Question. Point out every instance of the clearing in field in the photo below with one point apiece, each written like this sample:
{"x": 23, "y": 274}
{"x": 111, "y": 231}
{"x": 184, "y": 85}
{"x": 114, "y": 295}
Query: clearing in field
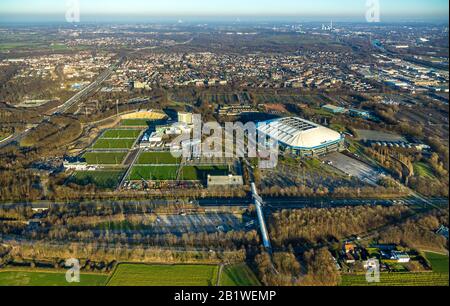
{"x": 439, "y": 263}
{"x": 155, "y": 158}
{"x": 399, "y": 279}
{"x": 238, "y": 275}
{"x": 122, "y": 133}
{"x": 37, "y": 278}
{"x": 164, "y": 275}
{"x": 106, "y": 158}
{"x": 102, "y": 179}
{"x": 121, "y": 143}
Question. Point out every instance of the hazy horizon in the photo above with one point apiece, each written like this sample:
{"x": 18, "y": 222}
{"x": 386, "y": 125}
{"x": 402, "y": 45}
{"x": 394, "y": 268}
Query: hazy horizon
{"x": 204, "y": 10}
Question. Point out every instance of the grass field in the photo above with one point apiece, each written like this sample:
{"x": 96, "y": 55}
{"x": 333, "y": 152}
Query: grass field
{"x": 151, "y": 158}
{"x": 439, "y": 262}
{"x": 102, "y": 179}
{"x": 424, "y": 170}
{"x": 164, "y": 275}
{"x": 399, "y": 279}
{"x": 136, "y": 122}
{"x": 154, "y": 173}
{"x": 114, "y": 143}
{"x": 169, "y": 173}
{"x": 118, "y": 133}
{"x": 104, "y": 158}
{"x": 238, "y": 275}
{"x": 38, "y": 278}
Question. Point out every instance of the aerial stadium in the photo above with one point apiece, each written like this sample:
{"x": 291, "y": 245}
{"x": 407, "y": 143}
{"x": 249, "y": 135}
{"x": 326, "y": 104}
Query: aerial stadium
{"x": 301, "y": 137}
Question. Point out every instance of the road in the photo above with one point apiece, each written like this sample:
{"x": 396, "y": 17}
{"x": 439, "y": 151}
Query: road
{"x": 272, "y": 203}
{"x": 94, "y": 86}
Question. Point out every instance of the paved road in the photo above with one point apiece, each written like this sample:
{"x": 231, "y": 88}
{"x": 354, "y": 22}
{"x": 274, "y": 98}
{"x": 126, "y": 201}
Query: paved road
{"x": 69, "y": 103}
{"x": 273, "y": 203}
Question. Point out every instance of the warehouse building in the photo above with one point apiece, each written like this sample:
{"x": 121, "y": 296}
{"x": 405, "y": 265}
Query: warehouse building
{"x": 301, "y": 137}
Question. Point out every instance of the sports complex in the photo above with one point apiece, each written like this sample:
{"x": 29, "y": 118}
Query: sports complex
{"x": 302, "y": 137}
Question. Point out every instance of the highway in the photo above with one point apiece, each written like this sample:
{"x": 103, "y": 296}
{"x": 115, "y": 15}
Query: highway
{"x": 94, "y": 86}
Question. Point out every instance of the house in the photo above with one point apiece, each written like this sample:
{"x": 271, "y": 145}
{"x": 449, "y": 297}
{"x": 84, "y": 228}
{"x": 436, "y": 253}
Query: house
{"x": 349, "y": 247}
{"x": 334, "y": 109}
{"x": 400, "y": 257}
{"x": 443, "y": 231}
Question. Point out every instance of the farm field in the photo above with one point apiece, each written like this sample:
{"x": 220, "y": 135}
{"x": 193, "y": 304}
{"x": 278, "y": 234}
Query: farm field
{"x": 399, "y": 279}
{"x": 164, "y": 275}
{"x": 121, "y": 143}
{"x": 439, "y": 263}
{"x": 102, "y": 179}
{"x": 106, "y": 158}
{"x": 122, "y": 133}
{"x": 38, "y": 278}
{"x": 238, "y": 275}
{"x": 150, "y": 158}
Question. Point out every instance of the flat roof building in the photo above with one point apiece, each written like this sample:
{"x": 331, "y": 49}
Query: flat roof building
{"x": 302, "y": 137}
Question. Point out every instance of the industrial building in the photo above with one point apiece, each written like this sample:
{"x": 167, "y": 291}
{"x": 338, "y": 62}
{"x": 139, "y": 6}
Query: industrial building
{"x": 301, "y": 137}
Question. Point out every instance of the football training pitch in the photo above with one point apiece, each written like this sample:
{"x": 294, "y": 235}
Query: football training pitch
{"x": 158, "y": 158}
{"x": 103, "y": 143}
{"x": 102, "y": 179}
{"x": 106, "y": 158}
{"x": 117, "y": 139}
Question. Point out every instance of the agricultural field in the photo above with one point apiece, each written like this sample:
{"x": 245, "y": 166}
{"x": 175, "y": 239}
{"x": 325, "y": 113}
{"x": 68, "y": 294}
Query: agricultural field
{"x": 43, "y": 278}
{"x": 103, "y": 143}
{"x": 106, "y": 158}
{"x": 102, "y": 179}
{"x": 399, "y": 279}
{"x": 162, "y": 158}
{"x": 439, "y": 263}
{"x": 238, "y": 275}
{"x": 164, "y": 275}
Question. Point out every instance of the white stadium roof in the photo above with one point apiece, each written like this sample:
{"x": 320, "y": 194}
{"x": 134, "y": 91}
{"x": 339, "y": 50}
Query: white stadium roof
{"x": 299, "y": 133}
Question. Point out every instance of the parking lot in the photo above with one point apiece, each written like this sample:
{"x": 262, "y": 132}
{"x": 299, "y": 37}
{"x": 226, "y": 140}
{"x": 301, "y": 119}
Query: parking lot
{"x": 353, "y": 167}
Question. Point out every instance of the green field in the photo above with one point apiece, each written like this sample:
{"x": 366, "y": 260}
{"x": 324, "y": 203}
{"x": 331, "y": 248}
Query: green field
{"x": 164, "y": 275}
{"x": 169, "y": 173}
{"x": 102, "y": 179}
{"x": 95, "y": 158}
{"x": 399, "y": 279}
{"x": 155, "y": 158}
{"x": 118, "y": 133}
{"x": 38, "y": 278}
{"x": 114, "y": 143}
{"x": 136, "y": 122}
{"x": 238, "y": 275}
{"x": 154, "y": 173}
{"x": 424, "y": 170}
{"x": 438, "y": 262}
